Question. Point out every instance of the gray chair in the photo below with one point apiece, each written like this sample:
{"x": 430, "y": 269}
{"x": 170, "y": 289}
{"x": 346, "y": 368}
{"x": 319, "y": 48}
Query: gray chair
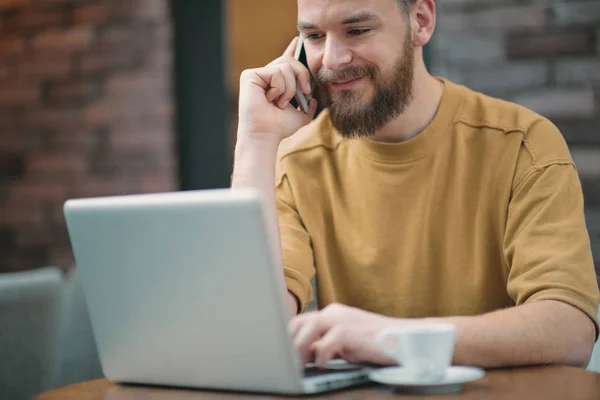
{"x": 79, "y": 360}
{"x": 30, "y": 322}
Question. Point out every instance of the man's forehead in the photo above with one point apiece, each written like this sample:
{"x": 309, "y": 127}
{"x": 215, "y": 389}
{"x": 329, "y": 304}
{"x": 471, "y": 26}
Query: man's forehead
{"x": 335, "y": 11}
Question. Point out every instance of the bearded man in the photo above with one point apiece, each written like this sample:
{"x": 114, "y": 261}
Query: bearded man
{"x": 412, "y": 198}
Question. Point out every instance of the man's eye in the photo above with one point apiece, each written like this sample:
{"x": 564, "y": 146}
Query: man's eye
{"x": 314, "y": 36}
{"x": 358, "y": 31}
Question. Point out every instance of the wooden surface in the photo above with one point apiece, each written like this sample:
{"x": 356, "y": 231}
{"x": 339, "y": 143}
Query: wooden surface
{"x": 546, "y": 383}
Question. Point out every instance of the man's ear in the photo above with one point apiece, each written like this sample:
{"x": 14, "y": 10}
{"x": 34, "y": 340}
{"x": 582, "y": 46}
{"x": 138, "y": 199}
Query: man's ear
{"x": 423, "y": 20}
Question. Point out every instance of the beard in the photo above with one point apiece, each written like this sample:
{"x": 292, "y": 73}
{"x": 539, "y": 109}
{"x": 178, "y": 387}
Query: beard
{"x": 354, "y": 117}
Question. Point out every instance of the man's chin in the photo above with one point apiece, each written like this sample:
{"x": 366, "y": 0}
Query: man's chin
{"x": 348, "y": 100}
{"x": 360, "y": 95}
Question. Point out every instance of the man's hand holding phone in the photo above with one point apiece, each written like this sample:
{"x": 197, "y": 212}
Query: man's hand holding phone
{"x": 265, "y": 111}
{"x": 265, "y": 118}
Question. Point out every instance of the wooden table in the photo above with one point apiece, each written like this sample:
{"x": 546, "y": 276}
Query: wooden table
{"x": 546, "y": 383}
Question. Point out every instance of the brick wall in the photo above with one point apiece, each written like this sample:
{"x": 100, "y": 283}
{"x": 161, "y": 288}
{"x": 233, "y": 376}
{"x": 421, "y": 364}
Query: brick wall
{"x": 85, "y": 110}
{"x": 542, "y": 54}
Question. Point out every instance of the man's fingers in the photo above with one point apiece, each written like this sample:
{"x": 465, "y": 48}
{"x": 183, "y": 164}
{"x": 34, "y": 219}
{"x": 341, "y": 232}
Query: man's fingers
{"x": 290, "y": 85}
{"x": 309, "y": 332}
{"x": 291, "y": 49}
{"x": 328, "y": 346}
{"x": 272, "y": 80}
{"x": 301, "y": 73}
{"x": 273, "y": 93}
{"x": 299, "y": 320}
{"x": 279, "y": 81}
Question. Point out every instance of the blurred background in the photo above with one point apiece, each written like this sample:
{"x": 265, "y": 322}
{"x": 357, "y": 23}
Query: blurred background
{"x": 106, "y": 97}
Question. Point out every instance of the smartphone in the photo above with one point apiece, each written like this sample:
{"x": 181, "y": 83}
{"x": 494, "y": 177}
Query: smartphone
{"x": 302, "y": 100}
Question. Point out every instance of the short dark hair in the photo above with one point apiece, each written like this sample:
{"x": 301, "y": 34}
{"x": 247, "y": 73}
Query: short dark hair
{"x": 405, "y": 4}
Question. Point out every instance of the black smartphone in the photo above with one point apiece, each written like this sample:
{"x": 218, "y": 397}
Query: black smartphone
{"x": 301, "y": 100}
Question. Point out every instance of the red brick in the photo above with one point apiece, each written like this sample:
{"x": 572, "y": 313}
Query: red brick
{"x": 159, "y": 60}
{"x": 66, "y": 3}
{"x": 7, "y": 72}
{"x": 107, "y": 10}
{"x": 51, "y": 165}
{"x": 7, "y": 238}
{"x": 24, "y": 259}
{"x": 79, "y": 140}
{"x": 17, "y": 214}
{"x": 166, "y": 160}
{"x": 10, "y": 144}
{"x": 156, "y": 83}
{"x": 12, "y": 166}
{"x": 9, "y": 123}
{"x": 148, "y": 140}
{"x": 50, "y": 117}
{"x": 40, "y": 237}
{"x": 56, "y": 219}
{"x": 116, "y": 109}
{"x": 158, "y": 183}
{"x": 113, "y": 36}
{"x": 18, "y": 140}
{"x": 43, "y": 67}
{"x": 106, "y": 112}
{"x": 148, "y": 123}
{"x": 100, "y": 124}
{"x": 18, "y": 96}
{"x": 11, "y": 46}
{"x": 8, "y": 4}
{"x": 32, "y": 19}
{"x": 151, "y": 9}
{"x": 107, "y": 60}
{"x": 521, "y": 46}
{"x": 66, "y": 40}
{"x": 76, "y": 92}
{"x": 135, "y": 162}
{"x": 163, "y": 109}
{"x": 104, "y": 186}
{"x": 34, "y": 191}
{"x": 131, "y": 35}
{"x": 144, "y": 98}
{"x": 95, "y": 12}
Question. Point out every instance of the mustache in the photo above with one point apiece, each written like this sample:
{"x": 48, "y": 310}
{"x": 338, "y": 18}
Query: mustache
{"x": 325, "y": 76}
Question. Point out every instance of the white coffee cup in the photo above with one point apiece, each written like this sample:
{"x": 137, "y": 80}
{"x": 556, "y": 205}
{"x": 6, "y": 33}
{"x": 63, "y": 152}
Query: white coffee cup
{"x": 424, "y": 350}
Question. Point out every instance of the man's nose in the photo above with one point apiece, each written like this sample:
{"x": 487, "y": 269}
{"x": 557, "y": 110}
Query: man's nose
{"x": 336, "y": 55}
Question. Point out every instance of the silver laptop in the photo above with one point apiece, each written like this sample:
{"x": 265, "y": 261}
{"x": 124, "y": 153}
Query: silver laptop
{"x": 183, "y": 290}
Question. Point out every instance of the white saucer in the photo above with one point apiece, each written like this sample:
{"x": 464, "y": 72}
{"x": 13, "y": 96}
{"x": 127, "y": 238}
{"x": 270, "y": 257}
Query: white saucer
{"x": 452, "y": 382}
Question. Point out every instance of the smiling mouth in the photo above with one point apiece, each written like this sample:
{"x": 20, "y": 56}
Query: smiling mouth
{"x": 344, "y": 84}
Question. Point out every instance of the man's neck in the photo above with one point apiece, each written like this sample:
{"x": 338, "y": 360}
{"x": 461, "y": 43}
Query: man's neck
{"x": 427, "y": 95}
